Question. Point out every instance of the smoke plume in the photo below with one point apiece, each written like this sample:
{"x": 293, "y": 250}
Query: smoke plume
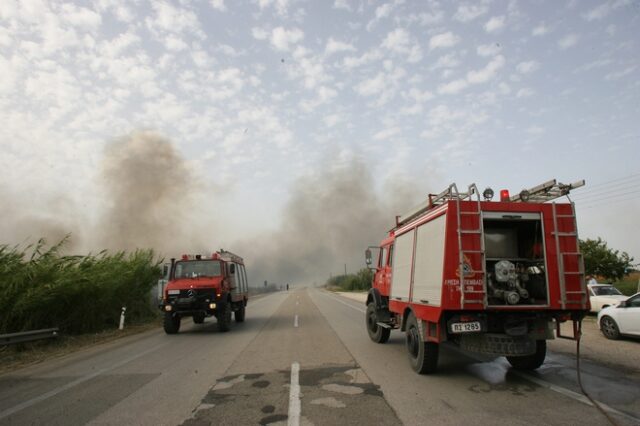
{"x": 328, "y": 222}
{"x": 152, "y": 195}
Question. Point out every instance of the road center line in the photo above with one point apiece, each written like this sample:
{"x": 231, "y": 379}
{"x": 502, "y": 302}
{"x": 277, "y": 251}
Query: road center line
{"x": 295, "y": 321}
{"x": 294, "y": 396}
{"x": 56, "y": 391}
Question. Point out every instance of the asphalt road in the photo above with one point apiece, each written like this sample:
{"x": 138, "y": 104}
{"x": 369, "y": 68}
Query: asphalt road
{"x": 301, "y": 357}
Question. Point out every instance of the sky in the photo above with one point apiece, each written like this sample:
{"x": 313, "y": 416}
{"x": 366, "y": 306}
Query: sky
{"x": 240, "y": 108}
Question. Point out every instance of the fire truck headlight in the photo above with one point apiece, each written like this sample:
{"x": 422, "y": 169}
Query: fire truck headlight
{"x": 168, "y": 308}
{"x": 488, "y": 194}
{"x": 212, "y": 305}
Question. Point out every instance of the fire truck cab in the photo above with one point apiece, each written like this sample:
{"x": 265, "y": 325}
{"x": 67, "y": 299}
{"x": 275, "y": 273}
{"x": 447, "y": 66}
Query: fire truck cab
{"x": 489, "y": 276}
{"x": 200, "y": 287}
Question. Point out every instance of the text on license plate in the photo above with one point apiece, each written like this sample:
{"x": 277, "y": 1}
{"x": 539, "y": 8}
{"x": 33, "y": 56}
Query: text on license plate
{"x": 465, "y": 327}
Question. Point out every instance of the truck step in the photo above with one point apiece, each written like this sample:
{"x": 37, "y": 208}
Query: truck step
{"x": 383, "y": 325}
{"x": 565, "y": 234}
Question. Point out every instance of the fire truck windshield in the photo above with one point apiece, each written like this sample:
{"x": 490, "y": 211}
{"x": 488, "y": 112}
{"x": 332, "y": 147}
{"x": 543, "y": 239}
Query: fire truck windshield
{"x": 198, "y": 268}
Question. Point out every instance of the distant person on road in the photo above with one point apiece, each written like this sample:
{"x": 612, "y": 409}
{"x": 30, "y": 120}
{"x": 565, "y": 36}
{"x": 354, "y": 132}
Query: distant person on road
{"x": 287, "y": 287}
{"x": 591, "y": 280}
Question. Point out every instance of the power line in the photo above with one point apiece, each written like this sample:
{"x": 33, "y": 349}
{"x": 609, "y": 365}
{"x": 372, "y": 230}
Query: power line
{"x": 604, "y": 186}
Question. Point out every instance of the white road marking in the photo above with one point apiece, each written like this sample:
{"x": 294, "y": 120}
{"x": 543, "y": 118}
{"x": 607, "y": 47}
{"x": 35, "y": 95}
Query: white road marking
{"x": 559, "y": 389}
{"x": 344, "y": 303}
{"x": 294, "y": 396}
{"x": 295, "y": 321}
{"x": 56, "y": 391}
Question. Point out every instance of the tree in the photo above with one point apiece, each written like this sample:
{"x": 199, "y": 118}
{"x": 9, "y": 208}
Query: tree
{"x": 600, "y": 260}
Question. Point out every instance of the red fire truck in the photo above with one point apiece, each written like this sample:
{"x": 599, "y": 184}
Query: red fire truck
{"x": 489, "y": 276}
{"x": 200, "y": 286}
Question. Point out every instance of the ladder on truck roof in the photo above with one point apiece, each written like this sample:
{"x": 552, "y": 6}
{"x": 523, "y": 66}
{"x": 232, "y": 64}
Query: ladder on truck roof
{"x": 544, "y": 192}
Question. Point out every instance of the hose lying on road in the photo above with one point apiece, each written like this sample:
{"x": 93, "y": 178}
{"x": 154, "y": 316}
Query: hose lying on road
{"x": 593, "y": 401}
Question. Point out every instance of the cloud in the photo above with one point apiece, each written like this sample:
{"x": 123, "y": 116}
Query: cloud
{"x": 342, "y": 4}
{"x": 371, "y": 86}
{"x": 598, "y": 12}
{"x": 398, "y": 41}
{"x": 540, "y": 30}
{"x": 81, "y": 17}
{"x": 387, "y": 133}
{"x": 173, "y": 19}
{"x": 491, "y": 49}
{"x": 469, "y": 12}
{"x": 282, "y": 39}
{"x": 218, "y": 5}
{"x": 534, "y": 130}
{"x": 259, "y": 33}
{"x": 524, "y": 93}
{"x": 486, "y": 73}
{"x": 281, "y": 6}
{"x": 332, "y": 120}
{"x": 568, "y": 41}
{"x": 443, "y": 40}
{"x": 449, "y": 60}
{"x": 494, "y": 24}
{"x": 382, "y": 11}
{"x": 453, "y": 87}
{"x": 335, "y": 46}
{"x": 473, "y": 77}
{"x": 619, "y": 74}
{"x": 527, "y": 67}
{"x": 351, "y": 62}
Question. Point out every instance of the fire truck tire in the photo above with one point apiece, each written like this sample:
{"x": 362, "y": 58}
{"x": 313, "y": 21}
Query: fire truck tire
{"x": 239, "y": 314}
{"x": 530, "y": 362}
{"x": 609, "y": 328}
{"x": 198, "y": 318}
{"x": 171, "y": 323}
{"x": 423, "y": 356}
{"x": 376, "y": 333}
{"x": 224, "y": 317}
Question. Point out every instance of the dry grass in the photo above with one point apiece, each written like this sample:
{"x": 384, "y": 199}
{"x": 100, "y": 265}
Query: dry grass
{"x": 23, "y": 355}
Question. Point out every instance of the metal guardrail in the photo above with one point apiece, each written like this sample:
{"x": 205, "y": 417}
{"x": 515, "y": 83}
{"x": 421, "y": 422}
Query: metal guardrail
{"x": 28, "y": 336}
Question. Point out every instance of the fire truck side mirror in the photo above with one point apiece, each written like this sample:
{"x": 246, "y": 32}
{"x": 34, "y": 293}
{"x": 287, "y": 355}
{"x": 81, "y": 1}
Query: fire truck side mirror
{"x": 367, "y": 256}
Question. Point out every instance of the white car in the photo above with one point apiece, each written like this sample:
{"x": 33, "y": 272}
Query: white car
{"x": 623, "y": 319}
{"x": 603, "y": 295}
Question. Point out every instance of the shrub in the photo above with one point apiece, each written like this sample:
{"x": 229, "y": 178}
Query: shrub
{"x": 40, "y": 288}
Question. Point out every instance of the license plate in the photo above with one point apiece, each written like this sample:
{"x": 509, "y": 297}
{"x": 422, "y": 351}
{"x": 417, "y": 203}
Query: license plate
{"x": 465, "y": 327}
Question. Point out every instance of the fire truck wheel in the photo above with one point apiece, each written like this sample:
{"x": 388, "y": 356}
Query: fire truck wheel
{"x": 198, "y": 318}
{"x": 609, "y": 328}
{"x": 224, "y": 316}
{"x": 530, "y": 362}
{"x": 239, "y": 314}
{"x": 423, "y": 356}
{"x": 171, "y": 323}
{"x": 376, "y": 333}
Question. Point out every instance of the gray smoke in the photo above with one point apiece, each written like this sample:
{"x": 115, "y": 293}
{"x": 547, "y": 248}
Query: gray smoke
{"x": 29, "y": 217}
{"x": 152, "y": 195}
{"x": 328, "y": 222}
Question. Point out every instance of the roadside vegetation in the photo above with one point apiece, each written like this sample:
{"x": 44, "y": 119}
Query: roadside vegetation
{"x": 608, "y": 265}
{"x": 42, "y": 288}
{"x": 359, "y": 281}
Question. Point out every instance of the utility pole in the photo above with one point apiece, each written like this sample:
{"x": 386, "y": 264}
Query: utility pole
{"x": 345, "y": 269}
